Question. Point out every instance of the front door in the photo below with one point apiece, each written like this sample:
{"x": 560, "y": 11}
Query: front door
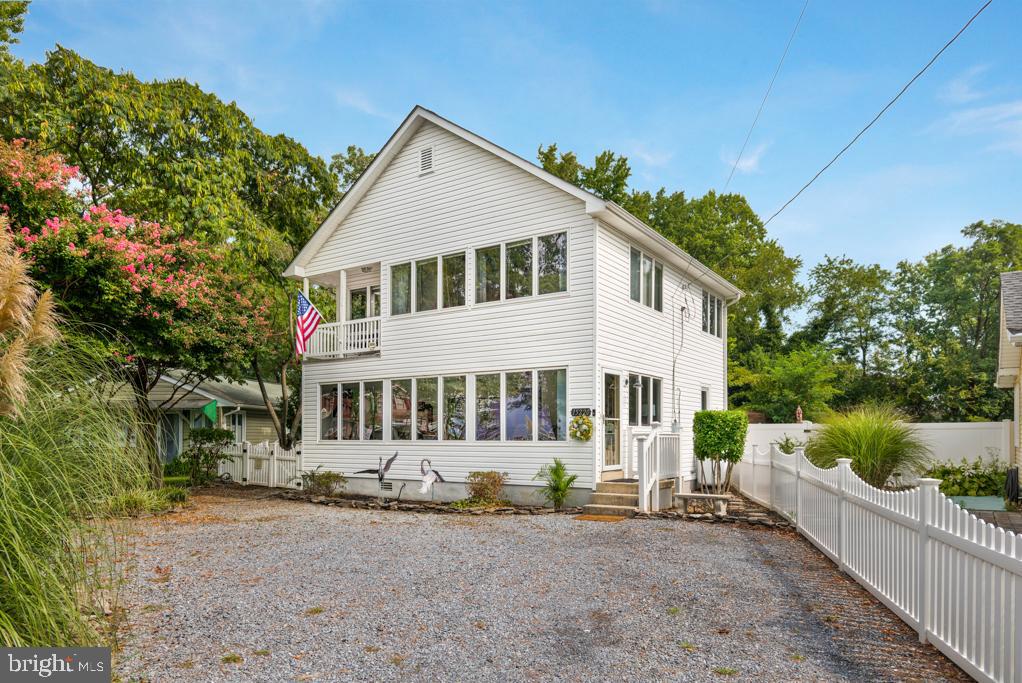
{"x": 611, "y": 422}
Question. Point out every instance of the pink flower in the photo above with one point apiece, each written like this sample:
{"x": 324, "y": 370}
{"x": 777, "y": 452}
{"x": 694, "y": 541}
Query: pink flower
{"x": 71, "y": 246}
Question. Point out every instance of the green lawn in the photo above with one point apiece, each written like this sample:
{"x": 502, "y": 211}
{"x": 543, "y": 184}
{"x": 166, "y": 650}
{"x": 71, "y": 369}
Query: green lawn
{"x": 176, "y": 481}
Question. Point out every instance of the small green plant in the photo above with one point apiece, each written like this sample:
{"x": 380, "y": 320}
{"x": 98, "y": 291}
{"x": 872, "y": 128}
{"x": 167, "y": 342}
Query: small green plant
{"x": 206, "y": 450}
{"x": 135, "y": 503}
{"x": 687, "y": 646}
{"x": 720, "y": 438}
{"x": 321, "y": 482}
{"x": 231, "y": 658}
{"x": 797, "y": 658}
{"x": 673, "y": 611}
{"x": 174, "y": 494}
{"x": 175, "y": 468}
{"x": 977, "y": 478}
{"x": 878, "y": 440}
{"x": 473, "y": 503}
{"x": 486, "y": 486}
{"x": 725, "y": 671}
{"x": 313, "y": 611}
{"x": 261, "y": 653}
{"x": 788, "y": 444}
{"x": 557, "y": 482}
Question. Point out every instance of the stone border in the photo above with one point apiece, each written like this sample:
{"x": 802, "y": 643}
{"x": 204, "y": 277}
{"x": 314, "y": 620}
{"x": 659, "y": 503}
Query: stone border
{"x": 433, "y": 508}
{"x": 753, "y": 518}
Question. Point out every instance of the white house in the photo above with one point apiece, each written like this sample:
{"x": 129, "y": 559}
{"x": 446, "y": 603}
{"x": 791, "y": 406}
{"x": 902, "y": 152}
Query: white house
{"x": 483, "y": 302}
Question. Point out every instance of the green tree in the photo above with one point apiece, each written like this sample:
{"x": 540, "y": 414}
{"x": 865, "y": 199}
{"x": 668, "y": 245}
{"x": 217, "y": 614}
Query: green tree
{"x": 349, "y": 165}
{"x": 777, "y": 384}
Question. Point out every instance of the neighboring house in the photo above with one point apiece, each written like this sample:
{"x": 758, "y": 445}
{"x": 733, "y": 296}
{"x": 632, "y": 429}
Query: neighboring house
{"x": 481, "y": 302}
{"x": 239, "y": 407}
{"x": 1009, "y": 351}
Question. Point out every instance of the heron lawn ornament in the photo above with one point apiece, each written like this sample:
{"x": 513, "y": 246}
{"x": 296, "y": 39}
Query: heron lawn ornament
{"x": 429, "y": 477}
{"x": 381, "y": 471}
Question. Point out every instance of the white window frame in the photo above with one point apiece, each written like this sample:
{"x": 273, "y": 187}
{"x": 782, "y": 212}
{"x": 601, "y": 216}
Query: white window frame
{"x": 714, "y": 312}
{"x": 567, "y": 263}
{"x": 319, "y": 412}
{"x": 638, "y": 417}
{"x": 643, "y": 255}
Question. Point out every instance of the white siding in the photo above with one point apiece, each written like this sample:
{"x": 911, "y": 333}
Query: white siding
{"x": 634, "y": 338}
{"x": 472, "y": 199}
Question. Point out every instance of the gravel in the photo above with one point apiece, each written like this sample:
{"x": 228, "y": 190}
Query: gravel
{"x": 308, "y": 592}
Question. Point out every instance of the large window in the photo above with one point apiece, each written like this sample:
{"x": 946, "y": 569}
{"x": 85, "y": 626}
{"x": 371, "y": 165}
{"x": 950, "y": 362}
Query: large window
{"x": 426, "y": 391}
{"x": 553, "y": 263}
{"x": 713, "y": 314}
{"x": 644, "y": 400}
{"x": 453, "y": 280}
{"x": 518, "y": 405}
{"x": 488, "y": 274}
{"x": 372, "y": 404}
{"x": 518, "y": 269}
{"x": 487, "y": 407}
{"x": 328, "y": 412}
{"x": 350, "y": 400}
{"x": 425, "y": 284}
{"x": 401, "y": 289}
{"x": 552, "y": 400}
{"x": 454, "y": 408}
{"x": 401, "y": 409}
{"x": 646, "y": 282}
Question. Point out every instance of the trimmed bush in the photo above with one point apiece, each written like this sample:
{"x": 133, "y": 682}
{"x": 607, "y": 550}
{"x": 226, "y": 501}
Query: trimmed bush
{"x": 323, "y": 483}
{"x": 878, "y": 440}
{"x": 486, "y": 486}
{"x": 720, "y": 437}
{"x": 206, "y": 450}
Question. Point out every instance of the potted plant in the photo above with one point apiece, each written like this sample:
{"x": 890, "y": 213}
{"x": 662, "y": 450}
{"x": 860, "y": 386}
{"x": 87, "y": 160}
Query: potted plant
{"x": 719, "y": 443}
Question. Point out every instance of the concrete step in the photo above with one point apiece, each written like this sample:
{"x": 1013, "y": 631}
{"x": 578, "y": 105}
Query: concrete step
{"x": 631, "y": 487}
{"x": 630, "y": 499}
{"x": 613, "y": 510}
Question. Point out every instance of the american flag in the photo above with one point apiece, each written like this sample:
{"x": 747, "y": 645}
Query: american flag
{"x": 307, "y": 322}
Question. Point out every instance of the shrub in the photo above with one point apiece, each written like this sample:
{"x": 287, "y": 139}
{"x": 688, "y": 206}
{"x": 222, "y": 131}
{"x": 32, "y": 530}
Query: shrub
{"x": 486, "y": 486}
{"x": 556, "y": 482}
{"x": 788, "y": 444}
{"x": 323, "y": 483}
{"x": 876, "y": 438}
{"x": 977, "y": 478}
{"x": 175, "y": 468}
{"x": 207, "y": 448}
{"x": 720, "y": 437}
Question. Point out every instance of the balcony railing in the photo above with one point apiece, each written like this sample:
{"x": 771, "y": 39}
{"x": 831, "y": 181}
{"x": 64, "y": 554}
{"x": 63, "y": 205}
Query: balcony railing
{"x": 336, "y": 340}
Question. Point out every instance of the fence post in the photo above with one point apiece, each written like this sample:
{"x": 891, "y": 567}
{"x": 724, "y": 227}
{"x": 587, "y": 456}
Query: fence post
{"x": 927, "y": 497}
{"x": 244, "y": 463}
{"x": 844, "y": 471}
{"x": 770, "y": 479}
{"x": 272, "y": 480}
{"x": 643, "y": 474}
{"x": 799, "y": 454}
{"x": 1007, "y": 442}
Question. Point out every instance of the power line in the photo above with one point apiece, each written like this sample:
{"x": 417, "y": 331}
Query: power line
{"x": 881, "y": 113}
{"x": 765, "y": 96}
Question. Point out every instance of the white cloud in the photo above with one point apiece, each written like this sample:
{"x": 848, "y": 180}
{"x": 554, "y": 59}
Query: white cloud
{"x": 1002, "y": 122}
{"x": 962, "y": 88}
{"x": 749, "y": 163}
{"x": 656, "y": 158}
{"x": 350, "y": 98}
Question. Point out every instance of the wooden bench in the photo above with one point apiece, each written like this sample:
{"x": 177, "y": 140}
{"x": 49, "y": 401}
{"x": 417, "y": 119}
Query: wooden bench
{"x": 719, "y": 501}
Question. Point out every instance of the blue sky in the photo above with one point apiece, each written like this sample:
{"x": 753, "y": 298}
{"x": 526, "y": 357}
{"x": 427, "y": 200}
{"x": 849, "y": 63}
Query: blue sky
{"x": 673, "y": 86}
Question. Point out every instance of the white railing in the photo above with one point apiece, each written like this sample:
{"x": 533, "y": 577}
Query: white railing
{"x": 954, "y": 578}
{"x": 669, "y": 452}
{"x": 334, "y": 340}
{"x": 263, "y": 464}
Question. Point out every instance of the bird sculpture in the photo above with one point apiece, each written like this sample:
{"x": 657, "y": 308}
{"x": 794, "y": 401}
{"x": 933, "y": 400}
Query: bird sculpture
{"x": 381, "y": 471}
{"x": 429, "y": 477}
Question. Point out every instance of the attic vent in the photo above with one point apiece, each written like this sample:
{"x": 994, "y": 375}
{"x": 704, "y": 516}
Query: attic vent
{"x": 425, "y": 160}
{"x": 386, "y": 486}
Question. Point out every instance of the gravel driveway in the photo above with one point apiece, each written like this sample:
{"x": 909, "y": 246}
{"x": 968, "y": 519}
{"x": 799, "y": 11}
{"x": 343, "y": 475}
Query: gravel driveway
{"x": 245, "y": 587}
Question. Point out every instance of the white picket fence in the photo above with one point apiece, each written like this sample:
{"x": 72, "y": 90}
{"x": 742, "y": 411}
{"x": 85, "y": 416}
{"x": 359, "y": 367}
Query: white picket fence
{"x": 263, "y": 464}
{"x": 954, "y": 578}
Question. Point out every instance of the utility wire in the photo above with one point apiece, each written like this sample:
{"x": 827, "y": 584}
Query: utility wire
{"x": 881, "y": 113}
{"x": 765, "y": 96}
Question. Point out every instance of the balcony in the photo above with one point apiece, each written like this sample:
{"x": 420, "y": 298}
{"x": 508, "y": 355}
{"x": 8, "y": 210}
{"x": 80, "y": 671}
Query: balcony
{"x": 340, "y": 340}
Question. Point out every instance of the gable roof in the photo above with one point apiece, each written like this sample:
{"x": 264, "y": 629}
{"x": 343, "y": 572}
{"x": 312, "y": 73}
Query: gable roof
{"x": 1011, "y": 301}
{"x": 607, "y": 211}
{"x": 245, "y": 394}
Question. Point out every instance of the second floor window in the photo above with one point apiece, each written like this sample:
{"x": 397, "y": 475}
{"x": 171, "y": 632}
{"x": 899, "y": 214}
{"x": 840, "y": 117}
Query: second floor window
{"x": 646, "y": 281}
{"x": 453, "y": 280}
{"x": 401, "y": 289}
{"x": 488, "y": 274}
{"x": 518, "y": 269}
{"x": 425, "y": 285}
{"x": 713, "y": 314}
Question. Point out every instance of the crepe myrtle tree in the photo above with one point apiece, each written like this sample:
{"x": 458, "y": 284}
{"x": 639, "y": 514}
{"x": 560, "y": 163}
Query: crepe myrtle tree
{"x": 720, "y": 439}
{"x": 151, "y": 299}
